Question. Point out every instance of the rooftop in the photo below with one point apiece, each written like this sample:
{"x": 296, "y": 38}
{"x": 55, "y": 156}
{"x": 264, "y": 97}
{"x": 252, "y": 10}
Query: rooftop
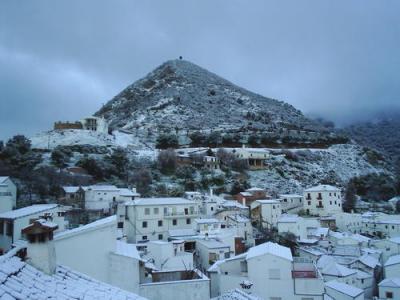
{"x": 335, "y": 269}
{"x": 19, "y": 280}
{"x": 88, "y": 227}
{"x": 212, "y": 244}
{"x": 393, "y": 260}
{"x": 27, "y": 211}
{"x": 3, "y": 179}
{"x": 160, "y": 201}
{"x": 236, "y": 294}
{"x": 343, "y": 288}
{"x": 390, "y": 282}
{"x": 125, "y": 249}
{"x": 269, "y": 201}
{"x": 269, "y": 248}
{"x": 322, "y": 188}
{"x": 70, "y": 189}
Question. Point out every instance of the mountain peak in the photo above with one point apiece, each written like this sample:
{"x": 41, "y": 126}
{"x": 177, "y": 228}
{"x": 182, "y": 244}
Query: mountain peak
{"x": 180, "y": 95}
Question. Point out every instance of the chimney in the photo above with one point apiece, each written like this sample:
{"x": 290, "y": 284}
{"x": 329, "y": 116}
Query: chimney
{"x": 41, "y": 252}
{"x": 211, "y": 192}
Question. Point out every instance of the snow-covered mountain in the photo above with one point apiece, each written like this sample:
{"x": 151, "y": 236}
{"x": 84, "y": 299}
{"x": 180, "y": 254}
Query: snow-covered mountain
{"x": 179, "y": 96}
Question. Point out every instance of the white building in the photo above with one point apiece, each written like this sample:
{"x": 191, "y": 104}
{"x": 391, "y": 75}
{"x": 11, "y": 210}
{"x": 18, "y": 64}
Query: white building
{"x": 149, "y": 219}
{"x": 341, "y": 291}
{"x": 322, "y": 200}
{"x": 302, "y": 228}
{"x": 351, "y": 222}
{"x": 392, "y": 266}
{"x": 207, "y": 226}
{"x": 21, "y": 280}
{"x": 266, "y": 212}
{"x": 12, "y": 222}
{"x": 270, "y": 272}
{"x": 291, "y": 202}
{"x": 101, "y": 197}
{"x": 95, "y": 124}
{"x": 208, "y": 251}
{"x": 255, "y": 157}
{"x": 87, "y": 248}
{"x": 8, "y": 194}
{"x": 389, "y": 288}
{"x": 168, "y": 256}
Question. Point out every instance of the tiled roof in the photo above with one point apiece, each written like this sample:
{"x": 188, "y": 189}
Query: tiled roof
{"x": 18, "y": 280}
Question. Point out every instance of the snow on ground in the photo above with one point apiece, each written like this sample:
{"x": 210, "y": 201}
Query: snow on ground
{"x": 337, "y": 165}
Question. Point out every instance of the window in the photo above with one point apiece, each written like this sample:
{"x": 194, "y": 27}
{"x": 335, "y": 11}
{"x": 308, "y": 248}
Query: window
{"x": 212, "y": 208}
{"x": 274, "y": 274}
{"x": 330, "y": 202}
{"x": 309, "y": 202}
{"x": 10, "y": 228}
{"x": 188, "y": 221}
{"x": 165, "y": 210}
{"x": 389, "y": 295}
{"x": 160, "y": 236}
{"x": 155, "y": 210}
{"x": 159, "y": 223}
{"x": 144, "y": 237}
{"x": 273, "y": 206}
{"x": 174, "y": 222}
{"x": 186, "y": 211}
{"x": 227, "y": 255}
{"x": 144, "y": 224}
{"x": 147, "y": 211}
{"x": 120, "y": 224}
{"x": 1, "y": 227}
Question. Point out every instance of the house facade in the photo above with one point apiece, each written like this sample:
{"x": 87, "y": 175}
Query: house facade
{"x": 322, "y": 200}
{"x": 8, "y": 194}
{"x": 150, "y": 219}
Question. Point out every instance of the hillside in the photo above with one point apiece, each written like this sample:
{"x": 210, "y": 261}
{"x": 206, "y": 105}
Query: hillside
{"x": 382, "y": 135}
{"x": 180, "y": 97}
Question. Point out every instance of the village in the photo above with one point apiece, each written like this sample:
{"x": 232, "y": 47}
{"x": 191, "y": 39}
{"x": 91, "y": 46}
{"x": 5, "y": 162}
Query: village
{"x": 198, "y": 246}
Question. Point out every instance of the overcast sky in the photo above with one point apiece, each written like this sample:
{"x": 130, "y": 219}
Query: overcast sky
{"x": 61, "y": 60}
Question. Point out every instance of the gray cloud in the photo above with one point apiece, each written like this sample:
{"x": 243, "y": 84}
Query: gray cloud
{"x": 62, "y": 60}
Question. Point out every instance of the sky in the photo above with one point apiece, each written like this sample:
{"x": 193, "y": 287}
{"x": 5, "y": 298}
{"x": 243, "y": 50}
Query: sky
{"x": 61, "y": 60}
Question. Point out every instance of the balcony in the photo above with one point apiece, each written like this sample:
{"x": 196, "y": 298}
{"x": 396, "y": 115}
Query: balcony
{"x": 319, "y": 206}
{"x": 181, "y": 214}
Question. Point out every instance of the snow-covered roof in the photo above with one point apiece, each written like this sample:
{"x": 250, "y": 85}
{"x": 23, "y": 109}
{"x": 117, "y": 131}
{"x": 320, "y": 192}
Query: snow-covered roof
{"x": 246, "y": 194}
{"x": 395, "y": 240}
{"x": 322, "y": 188}
{"x": 363, "y": 275}
{"x": 103, "y": 188}
{"x": 46, "y": 223}
{"x": 3, "y": 179}
{"x": 181, "y": 232}
{"x": 232, "y": 203}
{"x": 18, "y": 280}
{"x": 290, "y": 196}
{"x": 161, "y": 201}
{"x": 320, "y": 231}
{"x": 269, "y": 248}
{"x": 369, "y": 261}
{"x": 344, "y": 288}
{"x": 285, "y": 218}
{"x": 393, "y": 260}
{"x": 27, "y": 211}
{"x": 125, "y": 249}
{"x": 70, "y": 189}
{"x": 393, "y": 200}
{"x": 269, "y": 201}
{"x": 335, "y": 269}
{"x": 212, "y": 244}
{"x": 128, "y": 193}
{"x": 236, "y": 295}
{"x": 255, "y": 189}
{"x": 238, "y": 218}
{"x": 390, "y": 282}
{"x": 208, "y": 221}
{"x": 88, "y": 227}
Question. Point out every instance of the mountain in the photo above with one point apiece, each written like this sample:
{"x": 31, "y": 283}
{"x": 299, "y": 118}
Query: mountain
{"x": 180, "y": 96}
{"x": 382, "y": 135}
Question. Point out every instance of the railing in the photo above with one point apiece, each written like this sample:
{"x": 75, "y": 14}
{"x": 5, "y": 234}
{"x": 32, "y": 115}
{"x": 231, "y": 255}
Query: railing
{"x": 319, "y": 206}
{"x": 181, "y": 214}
